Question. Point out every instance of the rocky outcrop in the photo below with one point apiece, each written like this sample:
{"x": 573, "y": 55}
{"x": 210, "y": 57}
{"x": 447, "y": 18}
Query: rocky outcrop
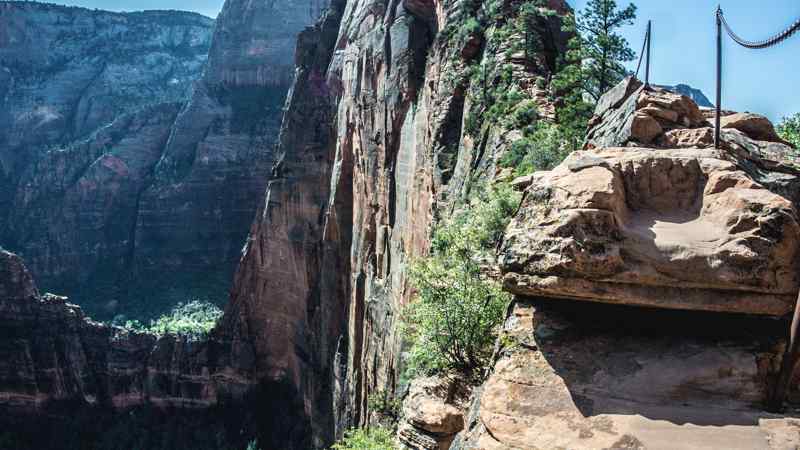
{"x": 695, "y": 94}
{"x": 649, "y": 214}
{"x": 582, "y": 376}
{"x": 668, "y": 228}
{"x": 685, "y": 228}
{"x": 433, "y": 413}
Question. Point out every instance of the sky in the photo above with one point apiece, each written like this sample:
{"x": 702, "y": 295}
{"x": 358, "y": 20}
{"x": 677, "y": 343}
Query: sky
{"x": 208, "y": 8}
{"x": 684, "y": 49}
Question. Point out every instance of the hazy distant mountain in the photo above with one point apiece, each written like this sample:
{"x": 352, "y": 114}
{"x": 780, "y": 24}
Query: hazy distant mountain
{"x": 695, "y": 94}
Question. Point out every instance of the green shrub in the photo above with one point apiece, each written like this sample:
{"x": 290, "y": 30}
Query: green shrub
{"x": 253, "y": 445}
{"x": 450, "y": 324}
{"x": 384, "y": 404}
{"x": 375, "y": 438}
{"x": 194, "y": 319}
{"x": 789, "y": 130}
{"x": 543, "y": 149}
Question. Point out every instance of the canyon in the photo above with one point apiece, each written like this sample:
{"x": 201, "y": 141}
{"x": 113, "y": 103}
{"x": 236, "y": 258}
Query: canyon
{"x": 610, "y": 342}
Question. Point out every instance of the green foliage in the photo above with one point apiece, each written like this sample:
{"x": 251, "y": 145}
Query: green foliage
{"x": 789, "y": 130}
{"x": 450, "y": 324}
{"x": 194, "y": 319}
{"x": 253, "y": 445}
{"x": 375, "y": 438}
{"x": 542, "y": 149}
{"x": 384, "y": 404}
{"x": 602, "y": 48}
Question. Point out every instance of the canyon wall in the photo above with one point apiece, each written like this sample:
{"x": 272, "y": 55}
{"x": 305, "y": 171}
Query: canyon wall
{"x": 132, "y": 166}
{"x": 87, "y": 102}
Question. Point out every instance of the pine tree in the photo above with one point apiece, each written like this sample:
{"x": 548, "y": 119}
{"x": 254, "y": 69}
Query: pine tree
{"x": 604, "y": 49}
{"x": 592, "y": 64}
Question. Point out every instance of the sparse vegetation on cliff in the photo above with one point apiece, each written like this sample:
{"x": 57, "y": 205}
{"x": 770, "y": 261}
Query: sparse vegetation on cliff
{"x": 451, "y": 323}
{"x": 374, "y": 438}
{"x": 194, "y": 319}
{"x": 541, "y": 149}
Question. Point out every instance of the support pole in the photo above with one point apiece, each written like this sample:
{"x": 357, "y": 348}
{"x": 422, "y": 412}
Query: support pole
{"x": 789, "y": 363}
{"x": 647, "y": 64}
{"x": 719, "y": 76}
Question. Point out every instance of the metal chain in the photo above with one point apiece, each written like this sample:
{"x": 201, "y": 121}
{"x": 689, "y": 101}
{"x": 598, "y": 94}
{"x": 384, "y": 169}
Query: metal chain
{"x": 777, "y": 39}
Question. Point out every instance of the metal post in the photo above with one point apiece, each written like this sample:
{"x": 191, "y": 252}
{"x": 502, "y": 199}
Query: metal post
{"x": 789, "y": 363}
{"x": 647, "y": 64}
{"x": 719, "y": 76}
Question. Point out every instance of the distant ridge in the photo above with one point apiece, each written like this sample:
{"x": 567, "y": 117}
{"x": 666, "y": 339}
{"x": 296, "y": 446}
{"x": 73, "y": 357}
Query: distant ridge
{"x": 695, "y": 94}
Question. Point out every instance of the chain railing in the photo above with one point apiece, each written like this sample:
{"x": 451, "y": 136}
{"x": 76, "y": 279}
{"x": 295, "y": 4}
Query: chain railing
{"x": 722, "y": 23}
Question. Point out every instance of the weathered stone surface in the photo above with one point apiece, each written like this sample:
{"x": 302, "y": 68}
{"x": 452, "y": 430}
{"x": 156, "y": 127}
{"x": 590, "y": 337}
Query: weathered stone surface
{"x": 669, "y": 228}
{"x": 596, "y": 376}
{"x": 433, "y": 412}
{"x": 753, "y": 125}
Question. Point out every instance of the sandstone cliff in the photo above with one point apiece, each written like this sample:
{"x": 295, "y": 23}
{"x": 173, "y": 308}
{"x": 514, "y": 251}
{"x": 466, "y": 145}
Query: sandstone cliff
{"x": 76, "y": 145}
{"x": 132, "y": 207}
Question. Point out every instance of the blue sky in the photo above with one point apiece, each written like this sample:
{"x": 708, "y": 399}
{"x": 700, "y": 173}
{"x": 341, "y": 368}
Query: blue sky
{"x": 762, "y": 81}
{"x": 684, "y": 50}
{"x": 208, "y": 8}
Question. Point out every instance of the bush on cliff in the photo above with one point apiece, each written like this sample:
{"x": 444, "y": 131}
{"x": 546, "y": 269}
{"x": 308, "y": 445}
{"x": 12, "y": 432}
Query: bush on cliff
{"x": 450, "y": 325}
{"x": 375, "y": 438}
{"x": 194, "y": 319}
{"x": 542, "y": 149}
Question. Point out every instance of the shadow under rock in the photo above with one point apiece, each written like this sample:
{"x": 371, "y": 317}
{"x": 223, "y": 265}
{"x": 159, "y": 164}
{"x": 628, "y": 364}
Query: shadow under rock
{"x": 679, "y": 366}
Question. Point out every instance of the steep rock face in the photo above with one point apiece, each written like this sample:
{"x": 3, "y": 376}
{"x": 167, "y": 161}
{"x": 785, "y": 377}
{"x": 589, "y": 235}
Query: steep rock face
{"x": 193, "y": 219}
{"x": 61, "y": 370}
{"x": 76, "y": 208}
{"x": 87, "y": 102}
{"x": 152, "y": 209}
{"x": 370, "y": 148}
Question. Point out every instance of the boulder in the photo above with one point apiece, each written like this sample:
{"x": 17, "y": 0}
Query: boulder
{"x": 433, "y": 412}
{"x": 753, "y": 125}
{"x": 679, "y": 229}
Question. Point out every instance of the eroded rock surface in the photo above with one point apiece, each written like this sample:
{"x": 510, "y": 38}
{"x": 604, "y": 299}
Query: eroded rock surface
{"x": 673, "y": 224}
{"x": 600, "y": 376}
{"x": 679, "y": 229}
{"x": 433, "y": 412}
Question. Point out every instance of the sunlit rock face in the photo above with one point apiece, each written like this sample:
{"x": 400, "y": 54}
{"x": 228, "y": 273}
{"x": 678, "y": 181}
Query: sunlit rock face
{"x": 665, "y": 221}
